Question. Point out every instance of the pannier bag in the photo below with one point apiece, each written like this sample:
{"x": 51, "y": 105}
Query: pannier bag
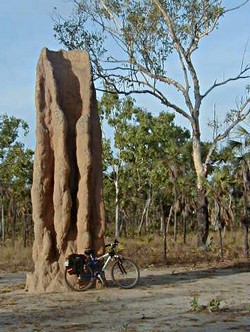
{"x": 74, "y": 263}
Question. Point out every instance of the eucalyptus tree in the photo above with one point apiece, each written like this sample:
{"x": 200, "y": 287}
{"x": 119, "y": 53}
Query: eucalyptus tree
{"x": 146, "y": 150}
{"x": 133, "y": 44}
{"x": 16, "y": 164}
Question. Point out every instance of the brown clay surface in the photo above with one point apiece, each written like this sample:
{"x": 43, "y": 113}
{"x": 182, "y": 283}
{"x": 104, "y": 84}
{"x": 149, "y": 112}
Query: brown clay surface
{"x": 67, "y": 205}
{"x": 162, "y": 302}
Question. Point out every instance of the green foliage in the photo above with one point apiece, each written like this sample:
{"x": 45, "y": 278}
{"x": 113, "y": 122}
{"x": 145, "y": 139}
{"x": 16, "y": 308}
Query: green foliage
{"x": 213, "y": 305}
{"x": 139, "y": 29}
{"x": 15, "y": 161}
{"x": 16, "y": 164}
{"x": 195, "y": 305}
{"x": 147, "y": 157}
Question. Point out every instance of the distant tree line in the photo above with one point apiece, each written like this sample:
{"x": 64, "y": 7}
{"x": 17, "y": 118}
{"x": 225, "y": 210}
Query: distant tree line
{"x": 149, "y": 177}
{"x": 16, "y": 163}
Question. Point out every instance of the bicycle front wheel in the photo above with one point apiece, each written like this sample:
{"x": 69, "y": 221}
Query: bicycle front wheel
{"x": 82, "y": 281}
{"x": 125, "y": 273}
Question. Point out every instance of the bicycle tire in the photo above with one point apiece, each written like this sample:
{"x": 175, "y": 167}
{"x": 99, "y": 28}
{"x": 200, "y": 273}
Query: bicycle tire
{"x": 80, "y": 282}
{"x": 125, "y": 273}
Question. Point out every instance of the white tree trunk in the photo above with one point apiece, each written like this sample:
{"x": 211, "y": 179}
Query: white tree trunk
{"x": 117, "y": 205}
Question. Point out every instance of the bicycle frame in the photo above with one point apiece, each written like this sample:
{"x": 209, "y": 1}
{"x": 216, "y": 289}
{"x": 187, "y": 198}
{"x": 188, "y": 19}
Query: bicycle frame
{"x": 106, "y": 257}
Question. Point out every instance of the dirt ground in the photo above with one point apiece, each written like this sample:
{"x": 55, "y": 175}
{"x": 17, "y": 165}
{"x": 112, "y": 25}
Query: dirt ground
{"x": 167, "y": 299}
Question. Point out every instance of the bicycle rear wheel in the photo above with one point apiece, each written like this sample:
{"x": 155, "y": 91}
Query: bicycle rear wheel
{"x": 125, "y": 273}
{"x": 82, "y": 281}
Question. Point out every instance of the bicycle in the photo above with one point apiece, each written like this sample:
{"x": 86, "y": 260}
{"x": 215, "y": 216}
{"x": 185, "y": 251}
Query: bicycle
{"x": 81, "y": 270}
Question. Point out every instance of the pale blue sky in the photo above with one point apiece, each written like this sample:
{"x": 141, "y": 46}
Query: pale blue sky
{"x": 26, "y": 27}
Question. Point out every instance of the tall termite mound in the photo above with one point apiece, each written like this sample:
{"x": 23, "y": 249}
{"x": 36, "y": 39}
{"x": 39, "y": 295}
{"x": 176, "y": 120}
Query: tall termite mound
{"x": 66, "y": 193}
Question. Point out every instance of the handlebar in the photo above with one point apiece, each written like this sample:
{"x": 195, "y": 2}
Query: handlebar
{"x": 112, "y": 245}
{"x": 90, "y": 252}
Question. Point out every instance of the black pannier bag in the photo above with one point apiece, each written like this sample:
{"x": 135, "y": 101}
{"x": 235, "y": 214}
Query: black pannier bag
{"x": 74, "y": 263}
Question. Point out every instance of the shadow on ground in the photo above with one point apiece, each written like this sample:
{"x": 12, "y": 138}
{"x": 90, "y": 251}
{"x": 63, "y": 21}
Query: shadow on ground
{"x": 191, "y": 276}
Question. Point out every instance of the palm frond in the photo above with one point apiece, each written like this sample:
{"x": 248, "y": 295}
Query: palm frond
{"x": 234, "y": 144}
{"x": 241, "y": 131}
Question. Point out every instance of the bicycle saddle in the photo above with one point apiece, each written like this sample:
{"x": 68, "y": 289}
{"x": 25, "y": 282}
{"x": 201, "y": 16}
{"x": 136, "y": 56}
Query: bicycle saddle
{"x": 89, "y": 252}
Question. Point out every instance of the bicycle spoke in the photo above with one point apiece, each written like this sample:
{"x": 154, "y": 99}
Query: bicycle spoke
{"x": 125, "y": 273}
{"x": 80, "y": 282}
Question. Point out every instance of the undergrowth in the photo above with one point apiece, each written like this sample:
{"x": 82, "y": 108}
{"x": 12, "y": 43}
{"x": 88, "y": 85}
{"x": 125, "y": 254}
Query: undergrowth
{"x": 147, "y": 251}
{"x": 16, "y": 258}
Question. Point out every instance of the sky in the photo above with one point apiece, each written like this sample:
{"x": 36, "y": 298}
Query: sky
{"x": 26, "y": 27}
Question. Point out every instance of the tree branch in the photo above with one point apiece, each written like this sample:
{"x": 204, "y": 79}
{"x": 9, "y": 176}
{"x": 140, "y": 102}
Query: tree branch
{"x": 180, "y": 49}
{"x": 216, "y": 85}
{"x": 156, "y": 94}
{"x": 240, "y": 117}
{"x": 236, "y": 7}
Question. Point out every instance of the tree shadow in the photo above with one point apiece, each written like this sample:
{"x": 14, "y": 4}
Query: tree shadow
{"x": 191, "y": 276}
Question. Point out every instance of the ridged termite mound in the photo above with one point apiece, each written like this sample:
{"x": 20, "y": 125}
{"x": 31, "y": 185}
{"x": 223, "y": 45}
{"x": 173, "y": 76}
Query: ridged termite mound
{"x": 67, "y": 202}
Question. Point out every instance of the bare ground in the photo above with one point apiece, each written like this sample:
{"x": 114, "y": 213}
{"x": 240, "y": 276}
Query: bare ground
{"x": 163, "y": 301}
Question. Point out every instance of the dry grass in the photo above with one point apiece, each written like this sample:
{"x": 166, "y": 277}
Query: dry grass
{"x": 148, "y": 251}
{"x": 15, "y": 258}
